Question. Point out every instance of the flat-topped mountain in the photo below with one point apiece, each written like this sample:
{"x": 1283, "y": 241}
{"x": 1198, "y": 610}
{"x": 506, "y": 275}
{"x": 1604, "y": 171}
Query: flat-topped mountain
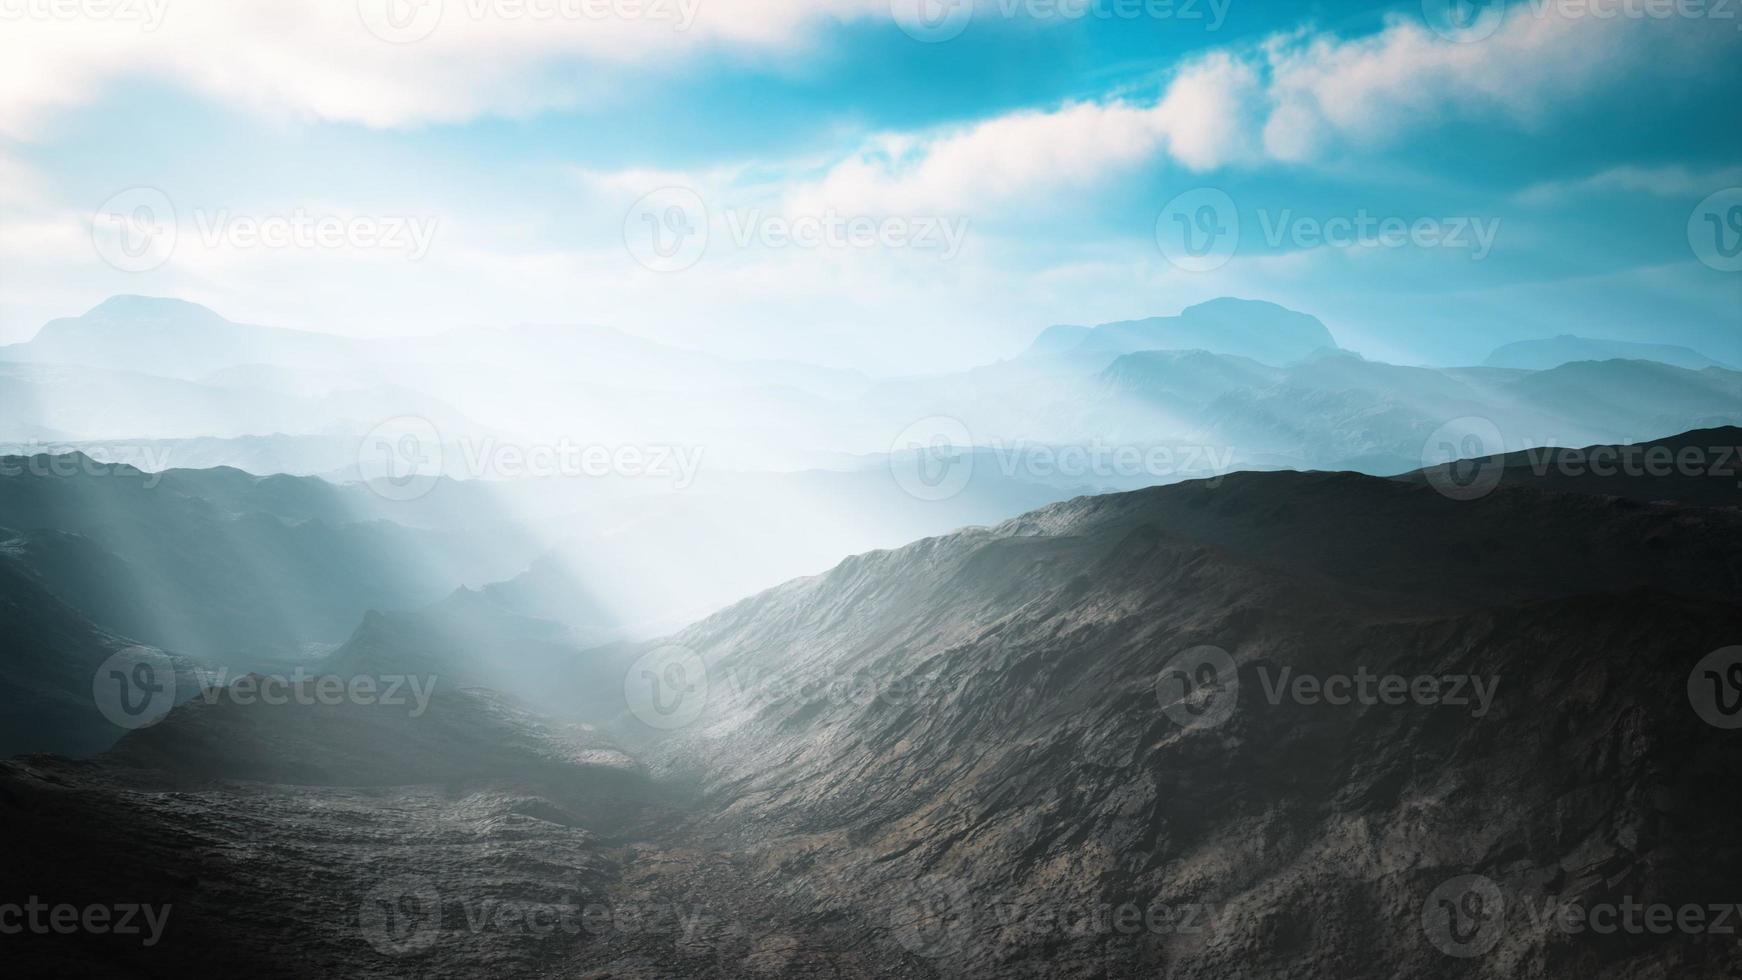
{"x": 1540, "y": 355}
{"x": 1255, "y": 329}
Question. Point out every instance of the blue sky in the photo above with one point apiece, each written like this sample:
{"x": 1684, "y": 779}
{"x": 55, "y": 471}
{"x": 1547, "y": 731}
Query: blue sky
{"x": 1558, "y": 165}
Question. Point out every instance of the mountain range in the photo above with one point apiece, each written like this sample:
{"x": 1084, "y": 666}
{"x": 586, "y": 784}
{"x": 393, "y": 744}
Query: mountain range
{"x": 968, "y": 756}
{"x": 1267, "y": 385}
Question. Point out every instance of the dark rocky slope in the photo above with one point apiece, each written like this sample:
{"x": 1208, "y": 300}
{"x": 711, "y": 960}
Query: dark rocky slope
{"x": 965, "y": 757}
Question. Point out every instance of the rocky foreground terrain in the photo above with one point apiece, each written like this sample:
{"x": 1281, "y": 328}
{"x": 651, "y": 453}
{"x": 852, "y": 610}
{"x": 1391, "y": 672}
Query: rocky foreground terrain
{"x": 1278, "y": 725}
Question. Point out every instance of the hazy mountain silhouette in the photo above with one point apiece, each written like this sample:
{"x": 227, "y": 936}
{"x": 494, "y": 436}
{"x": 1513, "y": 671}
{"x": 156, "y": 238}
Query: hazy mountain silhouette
{"x": 1254, "y": 329}
{"x": 1550, "y": 352}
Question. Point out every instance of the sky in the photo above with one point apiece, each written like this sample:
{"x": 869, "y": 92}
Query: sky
{"x": 900, "y": 186}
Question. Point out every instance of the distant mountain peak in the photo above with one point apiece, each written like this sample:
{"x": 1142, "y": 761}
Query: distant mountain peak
{"x": 132, "y": 306}
{"x": 1256, "y": 329}
{"x": 1566, "y": 348}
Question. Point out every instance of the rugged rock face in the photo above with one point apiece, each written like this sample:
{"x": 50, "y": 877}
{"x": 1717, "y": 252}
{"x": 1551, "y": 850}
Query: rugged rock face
{"x": 1282, "y": 725}
{"x": 983, "y": 719}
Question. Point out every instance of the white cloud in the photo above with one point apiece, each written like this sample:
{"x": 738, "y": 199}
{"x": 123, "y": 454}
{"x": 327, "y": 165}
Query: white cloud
{"x": 1327, "y": 90}
{"x": 1673, "y": 181}
{"x": 321, "y": 59}
{"x": 1295, "y": 98}
{"x": 1198, "y": 120}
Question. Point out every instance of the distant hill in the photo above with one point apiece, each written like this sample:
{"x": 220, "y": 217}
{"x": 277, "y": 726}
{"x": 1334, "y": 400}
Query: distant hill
{"x": 171, "y": 338}
{"x": 1540, "y": 355}
{"x": 229, "y": 567}
{"x": 1261, "y": 331}
{"x": 1701, "y": 467}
